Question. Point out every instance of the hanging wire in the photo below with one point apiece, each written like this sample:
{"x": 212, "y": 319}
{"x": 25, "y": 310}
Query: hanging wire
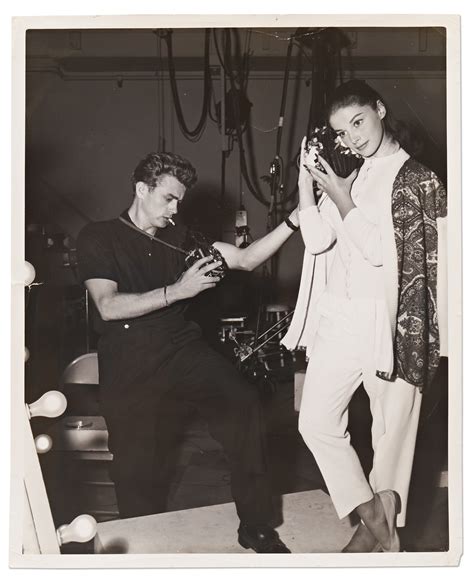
{"x": 160, "y": 96}
{"x": 163, "y": 97}
{"x": 212, "y": 106}
{"x": 236, "y": 67}
{"x": 292, "y": 35}
{"x": 222, "y": 60}
{"x": 235, "y": 95}
{"x": 238, "y": 79}
{"x": 302, "y": 48}
{"x": 247, "y": 53}
{"x": 264, "y": 130}
{"x": 241, "y": 191}
{"x": 190, "y": 134}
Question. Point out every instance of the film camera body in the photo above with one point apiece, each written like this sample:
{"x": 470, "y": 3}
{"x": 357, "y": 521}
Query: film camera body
{"x": 324, "y": 142}
{"x": 198, "y": 246}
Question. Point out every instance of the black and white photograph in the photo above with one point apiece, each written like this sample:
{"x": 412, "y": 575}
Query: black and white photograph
{"x": 237, "y": 337}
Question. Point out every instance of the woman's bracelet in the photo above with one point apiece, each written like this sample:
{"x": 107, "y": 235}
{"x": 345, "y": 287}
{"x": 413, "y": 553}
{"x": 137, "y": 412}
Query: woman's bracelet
{"x": 166, "y": 298}
{"x": 290, "y": 224}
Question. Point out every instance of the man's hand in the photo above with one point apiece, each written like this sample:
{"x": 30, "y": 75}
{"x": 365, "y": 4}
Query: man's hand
{"x": 194, "y": 280}
{"x": 114, "y": 305}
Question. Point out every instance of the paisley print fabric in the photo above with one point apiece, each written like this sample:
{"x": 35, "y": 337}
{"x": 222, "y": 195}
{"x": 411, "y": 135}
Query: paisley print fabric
{"x": 418, "y": 199}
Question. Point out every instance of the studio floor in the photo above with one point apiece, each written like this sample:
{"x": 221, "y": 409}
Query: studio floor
{"x": 202, "y": 479}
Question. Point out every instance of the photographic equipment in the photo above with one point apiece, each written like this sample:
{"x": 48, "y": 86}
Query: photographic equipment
{"x": 201, "y": 248}
{"x": 196, "y": 246}
{"x": 200, "y": 252}
{"x": 324, "y": 142}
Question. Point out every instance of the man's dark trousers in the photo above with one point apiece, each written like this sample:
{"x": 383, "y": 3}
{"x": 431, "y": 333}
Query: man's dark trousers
{"x": 149, "y": 376}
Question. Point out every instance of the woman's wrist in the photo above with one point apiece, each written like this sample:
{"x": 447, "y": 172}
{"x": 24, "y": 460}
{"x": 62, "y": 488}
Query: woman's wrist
{"x": 305, "y": 182}
{"x": 306, "y": 196}
{"x": 345, "y": 206}
{"x": 291, "y": 224}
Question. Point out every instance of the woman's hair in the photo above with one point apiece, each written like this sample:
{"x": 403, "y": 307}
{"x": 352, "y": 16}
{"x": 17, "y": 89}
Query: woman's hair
{"x": 358, "y": 92}
{"x": 154, "y": 165}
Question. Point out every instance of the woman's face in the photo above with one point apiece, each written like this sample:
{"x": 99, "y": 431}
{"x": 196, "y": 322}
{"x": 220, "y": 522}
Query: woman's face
{"x": 360, "y": 127}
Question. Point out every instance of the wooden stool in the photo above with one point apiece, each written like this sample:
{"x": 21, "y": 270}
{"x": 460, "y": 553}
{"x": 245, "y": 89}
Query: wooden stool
{"x": 230, "y": 326}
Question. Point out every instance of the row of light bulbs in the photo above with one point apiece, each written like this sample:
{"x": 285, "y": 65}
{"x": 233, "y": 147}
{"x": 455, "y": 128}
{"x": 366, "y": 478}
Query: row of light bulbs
{"x": 51, "y": 405}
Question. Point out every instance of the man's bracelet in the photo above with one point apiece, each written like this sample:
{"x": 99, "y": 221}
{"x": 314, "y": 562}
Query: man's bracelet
{"x": 290, "y": 224}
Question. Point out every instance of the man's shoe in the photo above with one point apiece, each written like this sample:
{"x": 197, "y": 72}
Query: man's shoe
{"x": 261, "y": 539}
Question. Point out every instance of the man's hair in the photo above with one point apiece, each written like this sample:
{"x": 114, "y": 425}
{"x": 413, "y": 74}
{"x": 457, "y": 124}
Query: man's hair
{"x": 155, "y": 165}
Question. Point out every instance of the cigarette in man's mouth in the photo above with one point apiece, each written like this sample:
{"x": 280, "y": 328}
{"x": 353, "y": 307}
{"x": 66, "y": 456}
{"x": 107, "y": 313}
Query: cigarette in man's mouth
{"x": 172, "y": 221}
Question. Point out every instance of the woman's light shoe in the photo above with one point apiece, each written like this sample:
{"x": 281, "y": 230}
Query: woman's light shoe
{"x": 362, "y": 541}
{"x": 391, "y": 506}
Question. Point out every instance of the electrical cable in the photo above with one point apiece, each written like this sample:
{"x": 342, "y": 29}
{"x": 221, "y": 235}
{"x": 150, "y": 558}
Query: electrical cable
{"x": 238, "y": 81}
{"x": 301, "y": 47}
{"x": 190, "y": 134}
{"x": 237, "y": 56}
{"x": 283, "y": 98}
{"x": 235, "y": 94}
{"x": 292, "y": 35}
{"x": 261, "y": 130}
{"x": 212, "y": 102}
{"x": 160, "y": 97}
{"x": 246, "y": 63}
{"x": 228, "y": 72}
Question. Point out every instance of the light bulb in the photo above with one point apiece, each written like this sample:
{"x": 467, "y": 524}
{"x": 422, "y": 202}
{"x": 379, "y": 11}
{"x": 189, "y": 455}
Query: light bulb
{"x": 29, "y": 273}
{"x": 51, "y": 404}
{"x": 43, "y": 443}
{"x": 82, "y": 529}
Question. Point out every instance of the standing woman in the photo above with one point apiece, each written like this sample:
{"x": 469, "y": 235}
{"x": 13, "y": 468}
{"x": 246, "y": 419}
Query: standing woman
{"x": 369, "y": 309}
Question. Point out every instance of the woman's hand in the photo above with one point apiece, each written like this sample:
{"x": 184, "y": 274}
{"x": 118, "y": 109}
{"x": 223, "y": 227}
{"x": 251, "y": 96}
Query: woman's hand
{"x": 305, "y": 179}
{"x": 337, "y": 188}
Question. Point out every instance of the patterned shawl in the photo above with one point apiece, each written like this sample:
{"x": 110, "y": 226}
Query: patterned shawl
{"x": 418, "y": 199}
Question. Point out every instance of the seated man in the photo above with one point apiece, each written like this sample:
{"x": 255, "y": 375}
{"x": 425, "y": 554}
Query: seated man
{"x": 135, "y": 272}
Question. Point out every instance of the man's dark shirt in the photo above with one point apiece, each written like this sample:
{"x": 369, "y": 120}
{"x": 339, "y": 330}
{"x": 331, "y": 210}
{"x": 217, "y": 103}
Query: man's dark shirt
{"x": 111, "y": 250}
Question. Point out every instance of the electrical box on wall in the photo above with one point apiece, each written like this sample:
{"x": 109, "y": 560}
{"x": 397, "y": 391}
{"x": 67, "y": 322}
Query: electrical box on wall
{"x": 241, "y": 228}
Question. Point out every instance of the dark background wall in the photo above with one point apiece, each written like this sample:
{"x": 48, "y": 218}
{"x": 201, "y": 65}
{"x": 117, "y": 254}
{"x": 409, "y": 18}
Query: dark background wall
{"x": 98, "y": 100}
